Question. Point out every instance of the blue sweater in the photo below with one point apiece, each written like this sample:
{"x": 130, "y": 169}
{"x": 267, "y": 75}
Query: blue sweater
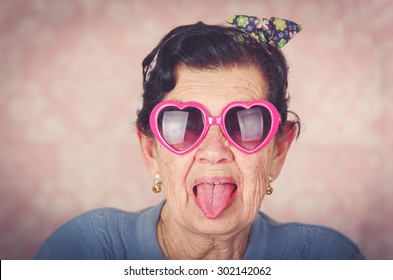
{"x": 109, "y": 233}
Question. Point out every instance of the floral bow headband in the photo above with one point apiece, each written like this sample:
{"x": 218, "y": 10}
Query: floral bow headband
{"x": 275, "y": 31}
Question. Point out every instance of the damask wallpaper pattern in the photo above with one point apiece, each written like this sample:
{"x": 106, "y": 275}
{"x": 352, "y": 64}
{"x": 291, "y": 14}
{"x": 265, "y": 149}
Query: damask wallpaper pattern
{"x": 70, "y": 84}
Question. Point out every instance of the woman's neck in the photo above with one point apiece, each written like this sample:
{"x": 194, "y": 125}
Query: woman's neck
{"x": 179, "y": 243}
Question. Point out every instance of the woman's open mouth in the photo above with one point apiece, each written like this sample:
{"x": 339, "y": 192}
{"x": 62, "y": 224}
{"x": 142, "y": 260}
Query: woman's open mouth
{"x": 214, "y": 197}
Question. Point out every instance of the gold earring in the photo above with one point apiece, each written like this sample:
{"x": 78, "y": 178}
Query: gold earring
{"x": 157, "y": 183}
{"x": 269, "y": 190}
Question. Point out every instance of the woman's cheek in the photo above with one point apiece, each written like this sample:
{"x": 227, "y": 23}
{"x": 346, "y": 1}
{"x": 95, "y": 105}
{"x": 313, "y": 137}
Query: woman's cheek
{"x": 256, "y": 177}
{"x": 172, "y": 177}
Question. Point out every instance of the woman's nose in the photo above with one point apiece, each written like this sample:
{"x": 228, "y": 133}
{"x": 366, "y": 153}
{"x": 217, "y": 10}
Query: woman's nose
{"x": 214, "y": 148}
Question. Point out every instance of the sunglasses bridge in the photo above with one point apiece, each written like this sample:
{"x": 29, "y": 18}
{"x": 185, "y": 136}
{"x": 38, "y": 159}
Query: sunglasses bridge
{"x": 214, "y": 120}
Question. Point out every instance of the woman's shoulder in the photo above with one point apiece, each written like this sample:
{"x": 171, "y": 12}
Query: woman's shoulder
{"x": 296, "y": 240}
{"x": 103, "y": 233}
{"x": 102, "y": 217}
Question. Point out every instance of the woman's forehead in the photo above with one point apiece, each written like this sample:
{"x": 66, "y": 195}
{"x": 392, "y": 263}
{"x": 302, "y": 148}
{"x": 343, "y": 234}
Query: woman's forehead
{"x": 234, "y": 84}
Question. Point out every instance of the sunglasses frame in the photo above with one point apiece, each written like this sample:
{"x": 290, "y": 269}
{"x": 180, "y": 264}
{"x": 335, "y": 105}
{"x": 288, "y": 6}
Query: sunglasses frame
{"x": 219, "y": 120}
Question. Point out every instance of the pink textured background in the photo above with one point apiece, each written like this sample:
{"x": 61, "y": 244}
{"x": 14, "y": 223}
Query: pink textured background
{"x": 70, "y": 83}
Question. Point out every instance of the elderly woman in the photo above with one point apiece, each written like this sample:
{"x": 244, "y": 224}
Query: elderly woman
{"x": 214, "y": 133}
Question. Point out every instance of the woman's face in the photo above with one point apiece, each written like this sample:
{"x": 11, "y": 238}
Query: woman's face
{"x": 215, "y": 188}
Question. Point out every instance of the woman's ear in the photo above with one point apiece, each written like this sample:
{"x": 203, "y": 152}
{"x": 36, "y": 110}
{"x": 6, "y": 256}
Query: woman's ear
{"x": 281, "y": 148}
{"x": 149, "y": 151}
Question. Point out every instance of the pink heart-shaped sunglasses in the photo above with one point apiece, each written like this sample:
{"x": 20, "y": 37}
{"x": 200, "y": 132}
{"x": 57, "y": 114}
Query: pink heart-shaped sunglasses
{"x": 181, "y": 127}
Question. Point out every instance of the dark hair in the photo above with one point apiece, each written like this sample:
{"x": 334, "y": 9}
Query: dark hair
{"x": 200, "y": 46}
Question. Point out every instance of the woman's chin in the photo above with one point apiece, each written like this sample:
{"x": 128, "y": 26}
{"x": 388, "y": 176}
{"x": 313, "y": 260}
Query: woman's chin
{"x": 225, "y": 221}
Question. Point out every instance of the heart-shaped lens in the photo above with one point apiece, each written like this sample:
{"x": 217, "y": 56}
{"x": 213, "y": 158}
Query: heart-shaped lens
{"x": 248, "y": 128}
{"x": 180, "y": 128}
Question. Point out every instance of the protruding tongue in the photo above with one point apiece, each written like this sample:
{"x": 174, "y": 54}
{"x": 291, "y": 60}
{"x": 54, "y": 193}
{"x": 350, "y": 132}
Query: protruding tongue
{"x": 213, "y": 199}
